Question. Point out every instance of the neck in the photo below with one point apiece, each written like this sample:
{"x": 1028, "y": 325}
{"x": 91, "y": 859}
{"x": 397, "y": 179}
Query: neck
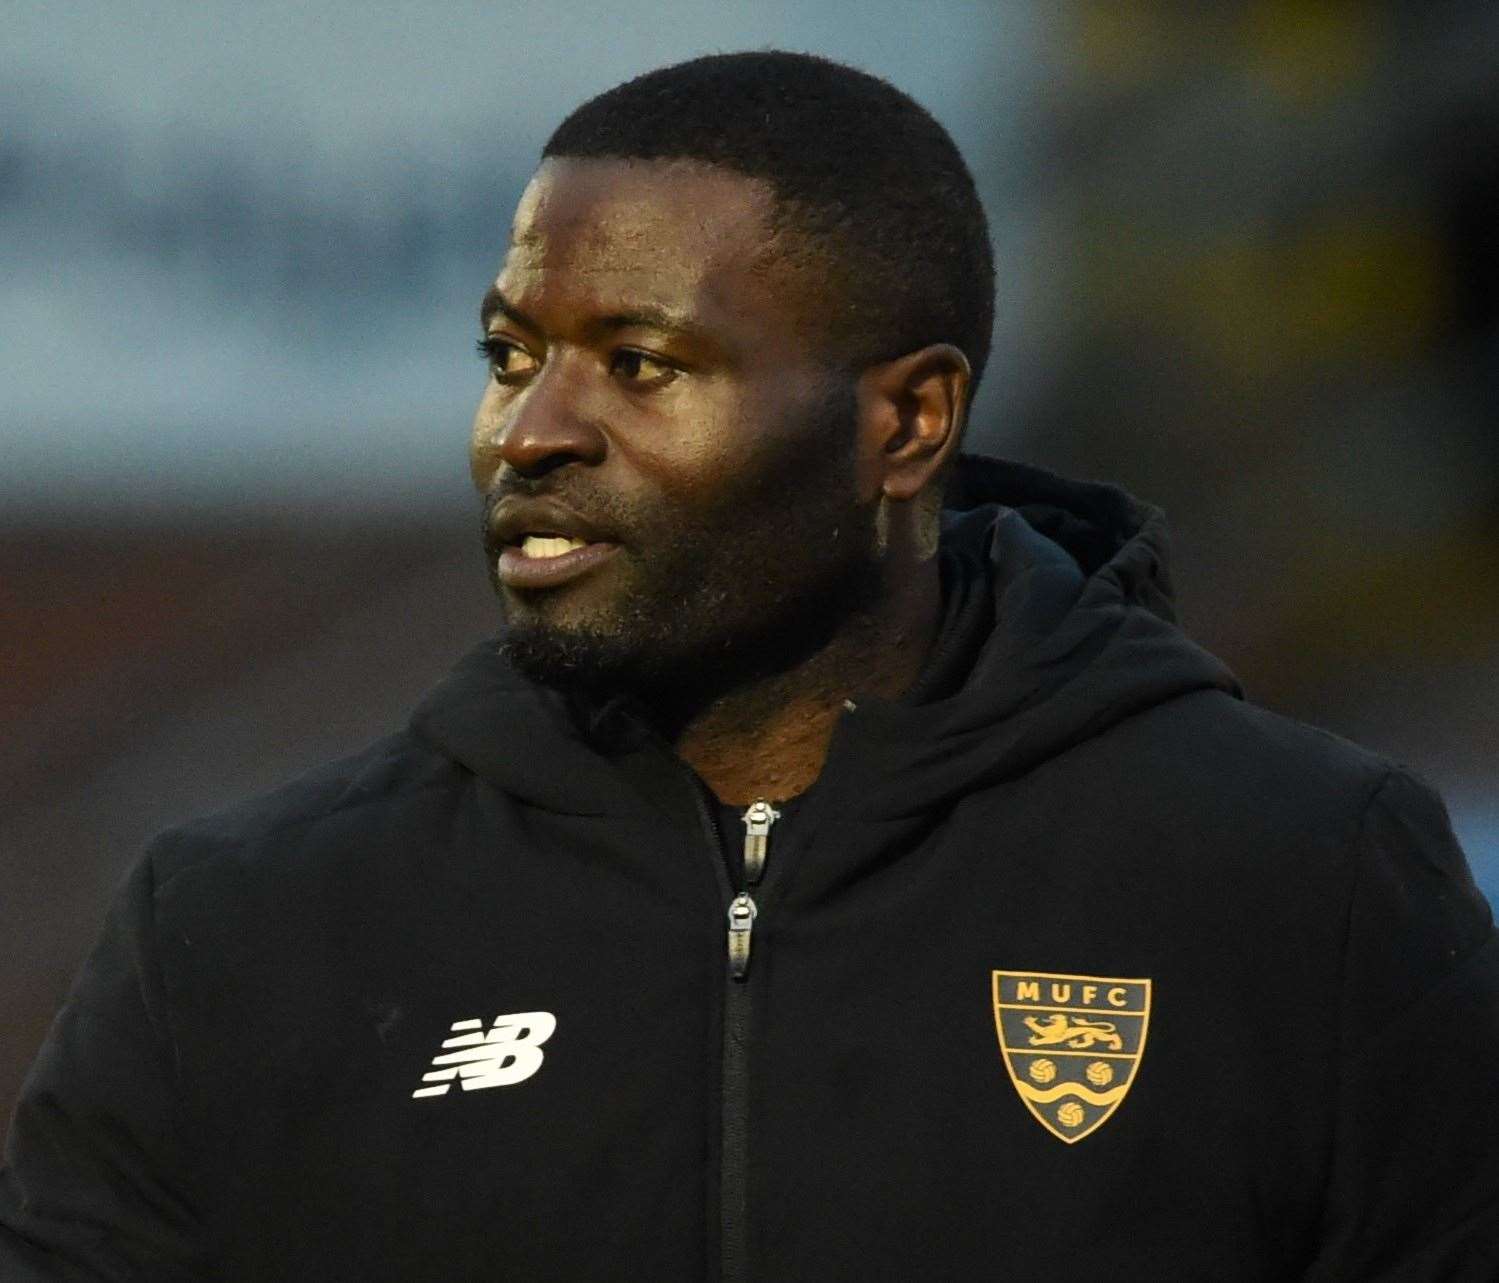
{"x": 769, "y": 738}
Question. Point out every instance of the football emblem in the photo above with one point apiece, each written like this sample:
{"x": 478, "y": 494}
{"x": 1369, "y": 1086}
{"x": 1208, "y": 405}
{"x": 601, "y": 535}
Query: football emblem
{"x": 1071, "y": 1044}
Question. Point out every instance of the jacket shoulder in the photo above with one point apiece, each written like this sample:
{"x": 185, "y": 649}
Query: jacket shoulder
{"x": 1266, "y": 801}
{"x": 1226, "y": 747}
{"x": 363, "y": 789}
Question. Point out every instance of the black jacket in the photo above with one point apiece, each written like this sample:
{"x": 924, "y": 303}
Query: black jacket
{"x": 1072, "y": 965}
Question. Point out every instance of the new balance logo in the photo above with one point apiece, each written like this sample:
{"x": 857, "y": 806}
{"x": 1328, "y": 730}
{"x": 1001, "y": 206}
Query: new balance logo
{"x": 509, "y": 1052}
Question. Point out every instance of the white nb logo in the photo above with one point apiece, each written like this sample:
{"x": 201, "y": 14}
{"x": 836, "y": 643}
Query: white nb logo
{"x": 510, "y": 1052}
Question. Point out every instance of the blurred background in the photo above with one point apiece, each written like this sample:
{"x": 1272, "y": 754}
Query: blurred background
{"x": 1247, "y": 267}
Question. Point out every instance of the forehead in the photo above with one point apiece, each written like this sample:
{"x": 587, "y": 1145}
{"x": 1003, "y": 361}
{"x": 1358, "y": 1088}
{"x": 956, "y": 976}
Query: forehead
{"x": 601, "y": 234}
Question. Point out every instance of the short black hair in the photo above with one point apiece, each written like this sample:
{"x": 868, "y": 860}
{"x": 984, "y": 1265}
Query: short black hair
{"x": 859, "y": 170}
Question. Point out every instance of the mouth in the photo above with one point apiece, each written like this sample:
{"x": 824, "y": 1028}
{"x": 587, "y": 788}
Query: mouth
{"x": 545, "y": 561}
{"x": 540, "y": 559}
{"x": 542, "y": 544}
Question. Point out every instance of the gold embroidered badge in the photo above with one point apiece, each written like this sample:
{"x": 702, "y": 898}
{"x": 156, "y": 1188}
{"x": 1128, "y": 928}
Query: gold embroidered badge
{"x": 1072, "y": 1044}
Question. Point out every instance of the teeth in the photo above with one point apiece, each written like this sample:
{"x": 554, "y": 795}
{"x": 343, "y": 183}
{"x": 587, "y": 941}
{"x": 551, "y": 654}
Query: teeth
{"x": 549, "y": 545}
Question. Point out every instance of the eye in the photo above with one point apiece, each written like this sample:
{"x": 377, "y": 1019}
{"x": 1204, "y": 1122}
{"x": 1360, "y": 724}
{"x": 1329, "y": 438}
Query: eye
{"x": 507, "y": 361}
{"x": 641, "y": 369}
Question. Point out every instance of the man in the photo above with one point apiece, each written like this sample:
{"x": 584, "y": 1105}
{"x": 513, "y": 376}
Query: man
{"x": 810, "y": 885}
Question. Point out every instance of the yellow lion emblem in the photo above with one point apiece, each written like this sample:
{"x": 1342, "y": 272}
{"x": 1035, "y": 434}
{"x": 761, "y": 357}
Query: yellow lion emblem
{"x": 1071, "y": 1044}
{"x": 1075, "y": 1033}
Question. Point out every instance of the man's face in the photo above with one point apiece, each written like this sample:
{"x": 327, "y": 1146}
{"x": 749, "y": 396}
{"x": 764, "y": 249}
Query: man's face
{"x": 666, "y": 450}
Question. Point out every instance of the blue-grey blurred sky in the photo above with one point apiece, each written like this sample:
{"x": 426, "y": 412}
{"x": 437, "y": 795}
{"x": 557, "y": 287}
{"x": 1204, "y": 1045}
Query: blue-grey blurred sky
{"x": 243, "y": 244}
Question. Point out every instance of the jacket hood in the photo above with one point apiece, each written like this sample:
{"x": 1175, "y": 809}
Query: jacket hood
{"x": 1078, "y": 631}
{"x": 1058, "y": 623}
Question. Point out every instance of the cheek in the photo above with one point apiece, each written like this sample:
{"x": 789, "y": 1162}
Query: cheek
{"x": 699, "y": 450}
{"x": 483, "y": 451}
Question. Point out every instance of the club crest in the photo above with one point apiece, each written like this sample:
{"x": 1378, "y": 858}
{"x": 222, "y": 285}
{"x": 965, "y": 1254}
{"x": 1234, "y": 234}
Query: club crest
{"x": 1072, "y": 1044}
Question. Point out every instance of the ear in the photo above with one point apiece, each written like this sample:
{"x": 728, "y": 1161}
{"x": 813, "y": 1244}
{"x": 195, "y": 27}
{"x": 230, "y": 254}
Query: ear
{"x": 911, "y": 415}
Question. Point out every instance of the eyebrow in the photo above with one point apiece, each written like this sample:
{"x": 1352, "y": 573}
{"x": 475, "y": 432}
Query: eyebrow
{"x": 496, "y": 304}
{"x": 645, "y": 316}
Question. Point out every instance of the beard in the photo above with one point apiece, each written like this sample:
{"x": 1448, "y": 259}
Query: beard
{"x": 715, "y": 591}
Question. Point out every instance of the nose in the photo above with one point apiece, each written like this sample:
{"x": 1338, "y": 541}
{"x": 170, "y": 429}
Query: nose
{"x": 536, "y": 431}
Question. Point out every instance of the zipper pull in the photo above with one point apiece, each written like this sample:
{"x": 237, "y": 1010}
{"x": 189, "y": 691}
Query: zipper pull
{"x": 757, "y": 821}
{"x": 741, "y": 923}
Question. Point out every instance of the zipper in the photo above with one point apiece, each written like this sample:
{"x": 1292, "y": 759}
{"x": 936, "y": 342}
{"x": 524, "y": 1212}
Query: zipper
{"x": 757, "y": 821}
{"x": 741, "y": 912}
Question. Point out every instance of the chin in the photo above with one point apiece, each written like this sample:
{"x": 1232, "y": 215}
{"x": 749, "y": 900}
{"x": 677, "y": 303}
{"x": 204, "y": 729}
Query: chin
{"x": 585, "y": 659}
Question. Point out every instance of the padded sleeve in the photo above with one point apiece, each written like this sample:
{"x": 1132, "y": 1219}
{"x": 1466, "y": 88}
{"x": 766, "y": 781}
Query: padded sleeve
{"x": 1414, "y": 1187}
{"x": 98, "y": 1180}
